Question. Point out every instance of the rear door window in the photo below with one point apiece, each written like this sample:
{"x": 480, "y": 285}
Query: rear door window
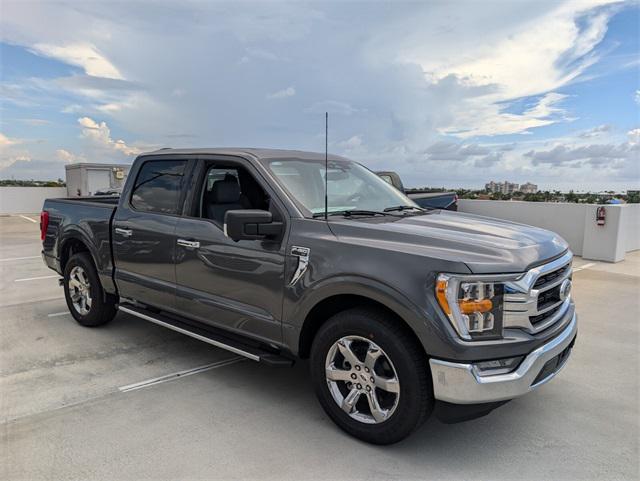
{"x": 158, "y": 186}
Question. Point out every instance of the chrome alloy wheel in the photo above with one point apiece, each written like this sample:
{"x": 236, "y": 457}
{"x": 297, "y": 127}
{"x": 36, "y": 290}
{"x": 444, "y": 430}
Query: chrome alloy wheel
{"x": 80, "y": 290}
{"x": 362, "y": 379}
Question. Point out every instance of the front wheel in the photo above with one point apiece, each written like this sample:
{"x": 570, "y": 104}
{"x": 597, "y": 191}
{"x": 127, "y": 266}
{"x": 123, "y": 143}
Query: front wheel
{"x": 371, "y": 376}
{"x": 86, "y": 299}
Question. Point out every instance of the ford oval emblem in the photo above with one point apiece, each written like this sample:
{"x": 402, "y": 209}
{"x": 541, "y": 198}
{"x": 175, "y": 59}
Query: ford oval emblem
{"x": 565, "y": 289}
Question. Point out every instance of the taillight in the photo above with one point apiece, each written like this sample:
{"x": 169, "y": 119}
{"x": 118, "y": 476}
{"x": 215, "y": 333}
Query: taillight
{"x": 44, "y": 224}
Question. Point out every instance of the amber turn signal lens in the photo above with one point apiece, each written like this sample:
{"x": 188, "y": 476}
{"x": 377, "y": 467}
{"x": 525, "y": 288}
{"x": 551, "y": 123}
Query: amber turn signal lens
{"x": 471, "y": 306}
{"x": 441, "y": 295}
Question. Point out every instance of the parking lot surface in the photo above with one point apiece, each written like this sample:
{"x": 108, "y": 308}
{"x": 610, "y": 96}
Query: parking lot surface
{"x": 127, "y": 400}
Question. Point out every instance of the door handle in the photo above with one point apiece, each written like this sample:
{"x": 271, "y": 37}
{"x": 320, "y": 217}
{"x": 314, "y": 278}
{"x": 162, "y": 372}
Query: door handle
{"x": 124, "y": 232}
{"x": 189, "y": 244}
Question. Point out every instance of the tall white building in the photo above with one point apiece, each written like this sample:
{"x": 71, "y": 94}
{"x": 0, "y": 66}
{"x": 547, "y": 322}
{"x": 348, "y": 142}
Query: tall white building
{"x": 528, "y": 188}
{"x": 502, "y": 187}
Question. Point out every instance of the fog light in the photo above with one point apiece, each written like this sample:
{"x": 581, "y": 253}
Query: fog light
{"x": 497, "y": 366}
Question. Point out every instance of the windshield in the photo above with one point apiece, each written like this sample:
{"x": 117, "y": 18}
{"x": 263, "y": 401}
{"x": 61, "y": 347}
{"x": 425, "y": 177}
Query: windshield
{"x": 350, "y": 186}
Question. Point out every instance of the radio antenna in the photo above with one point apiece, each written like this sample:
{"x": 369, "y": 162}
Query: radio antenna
{"x": 326, "y": 165}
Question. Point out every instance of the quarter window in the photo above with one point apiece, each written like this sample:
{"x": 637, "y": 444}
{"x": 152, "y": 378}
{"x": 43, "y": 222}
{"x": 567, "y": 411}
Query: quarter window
{"x": 158, "y": 186}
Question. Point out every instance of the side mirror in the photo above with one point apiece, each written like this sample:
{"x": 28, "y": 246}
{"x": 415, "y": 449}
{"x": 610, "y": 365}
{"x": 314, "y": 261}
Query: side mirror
{"x": 250, "y": 224}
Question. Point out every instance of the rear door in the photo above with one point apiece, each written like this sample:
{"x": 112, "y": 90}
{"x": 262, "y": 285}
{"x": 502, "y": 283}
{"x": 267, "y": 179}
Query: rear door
{"x": 144, "y": 241}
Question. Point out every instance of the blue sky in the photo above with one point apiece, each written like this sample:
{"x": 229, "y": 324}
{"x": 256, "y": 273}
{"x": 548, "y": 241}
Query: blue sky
{"x": 446, "y": 93}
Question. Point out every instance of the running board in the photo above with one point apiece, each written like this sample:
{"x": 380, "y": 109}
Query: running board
{"x": 204, "y": 335}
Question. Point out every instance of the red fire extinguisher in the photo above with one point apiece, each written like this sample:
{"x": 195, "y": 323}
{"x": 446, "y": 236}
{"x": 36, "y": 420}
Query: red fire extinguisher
{"x": 601, "y": 214}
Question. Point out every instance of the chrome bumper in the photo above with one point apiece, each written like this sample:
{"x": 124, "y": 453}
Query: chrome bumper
{"x": 460, "y": 384}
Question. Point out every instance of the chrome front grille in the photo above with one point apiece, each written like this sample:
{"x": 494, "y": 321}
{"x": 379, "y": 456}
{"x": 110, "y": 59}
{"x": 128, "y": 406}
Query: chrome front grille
{"x": 535, "y": 301}
{"x": 545, "y": 279}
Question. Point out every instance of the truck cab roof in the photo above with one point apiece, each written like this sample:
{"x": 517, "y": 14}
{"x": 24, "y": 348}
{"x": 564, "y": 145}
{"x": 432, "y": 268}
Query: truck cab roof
{"x": 255, "y": 152}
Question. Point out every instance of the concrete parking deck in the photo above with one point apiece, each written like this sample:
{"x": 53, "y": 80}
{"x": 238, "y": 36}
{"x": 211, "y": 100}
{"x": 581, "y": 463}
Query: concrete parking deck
{"x": 66, "y": 411}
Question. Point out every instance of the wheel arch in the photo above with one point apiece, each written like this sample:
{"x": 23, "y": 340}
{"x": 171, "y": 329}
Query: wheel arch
{"x": 73, "y": 245}
{"x": 75, "y": 241}
{"x": 338, "y": 298}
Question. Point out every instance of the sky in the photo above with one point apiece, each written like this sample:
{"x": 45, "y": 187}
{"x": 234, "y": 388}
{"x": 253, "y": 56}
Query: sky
{"x": 451, "y": 94}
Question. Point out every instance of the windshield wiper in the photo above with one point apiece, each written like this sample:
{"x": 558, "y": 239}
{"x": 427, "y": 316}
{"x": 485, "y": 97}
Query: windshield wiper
{"x": 402, "y": 207}
{"x": 350, "y": 212}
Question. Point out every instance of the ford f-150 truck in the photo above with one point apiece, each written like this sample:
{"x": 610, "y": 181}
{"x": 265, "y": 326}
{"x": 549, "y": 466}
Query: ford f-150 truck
{"x": 402, "y": 311}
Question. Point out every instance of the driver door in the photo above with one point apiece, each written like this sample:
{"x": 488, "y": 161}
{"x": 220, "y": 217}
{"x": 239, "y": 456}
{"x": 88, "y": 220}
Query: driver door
{"x": 236, "y": 286}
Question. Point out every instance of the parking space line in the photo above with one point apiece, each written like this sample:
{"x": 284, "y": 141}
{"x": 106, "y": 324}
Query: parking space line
{"x": 35, "y": 278}
{"x": 8, "y": 259}
{"x": 56, "y": 314}
{"x": 585, "y": 266}
{"x": 29, "y": 219}
{"x": 179, "y": 374}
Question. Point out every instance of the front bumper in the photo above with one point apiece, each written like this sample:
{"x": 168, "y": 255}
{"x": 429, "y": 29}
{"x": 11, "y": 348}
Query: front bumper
{"x": 459, "y": 383}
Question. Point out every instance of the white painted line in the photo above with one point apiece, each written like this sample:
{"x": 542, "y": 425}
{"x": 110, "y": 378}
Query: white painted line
{"x": 20, "y": 258}
{"x": 585, "y": 266}
{"x": 35, "y": 278}
{"x": 29, "y": 219}
{"x": 179, "y": 374}
{"x": 56, "y": 314}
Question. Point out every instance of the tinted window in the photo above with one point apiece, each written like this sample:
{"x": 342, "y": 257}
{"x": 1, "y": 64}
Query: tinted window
{"x": 157, "y": 188}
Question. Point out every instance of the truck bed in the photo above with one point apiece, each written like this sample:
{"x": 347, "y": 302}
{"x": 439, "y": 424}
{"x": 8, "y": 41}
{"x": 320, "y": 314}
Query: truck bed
{"x": 83, "y": 218}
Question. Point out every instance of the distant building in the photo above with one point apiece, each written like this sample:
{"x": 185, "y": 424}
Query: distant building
{"x": 528, "y": 188}
{"x": 501, "y": 187}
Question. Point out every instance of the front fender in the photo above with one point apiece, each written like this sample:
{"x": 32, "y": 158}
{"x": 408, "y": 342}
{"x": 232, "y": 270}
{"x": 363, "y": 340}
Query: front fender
{"x": 300, "y": 301}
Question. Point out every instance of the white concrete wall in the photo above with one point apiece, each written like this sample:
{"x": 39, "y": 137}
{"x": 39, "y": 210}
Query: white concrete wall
{"x": 27, "y": 200}
{"x": 576, "y": 223}
{"x": 631, "y": 223}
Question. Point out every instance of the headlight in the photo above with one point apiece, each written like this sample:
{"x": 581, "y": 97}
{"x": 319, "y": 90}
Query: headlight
{"x": 473, "y": 305}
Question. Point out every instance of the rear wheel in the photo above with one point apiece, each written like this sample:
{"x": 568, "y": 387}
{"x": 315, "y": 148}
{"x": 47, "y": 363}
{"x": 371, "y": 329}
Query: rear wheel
{"x": 86, "y": 299}
{"x": 371, "y": 376}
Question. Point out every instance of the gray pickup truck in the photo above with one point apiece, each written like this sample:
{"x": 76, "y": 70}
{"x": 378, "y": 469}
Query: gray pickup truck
{"x": 402, "y": 312}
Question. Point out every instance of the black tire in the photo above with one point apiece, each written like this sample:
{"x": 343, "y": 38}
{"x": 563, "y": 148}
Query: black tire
{"x": 103, "y": 306}
{"x": 415, "y": 402}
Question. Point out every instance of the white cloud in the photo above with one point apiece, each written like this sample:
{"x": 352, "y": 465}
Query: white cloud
{"x": 634, "y": 136}
{"x": 100, "y": 135}
{"x": 82, "y": 55}
{"x": 519, "y": 55}
{"x": 598, "y": 131}
{"x": 8, "y": 161}
{"x": 284, "y": 93}
{"x": 616, "y": 156}
{"x": 7, "y": 142}
{"x": 475, "y": 117}
{"x": 637, "y": 96}
{"x": 68, "y": 157}
{"x": 11, "y": 152}
{"x": 351, "y": 143}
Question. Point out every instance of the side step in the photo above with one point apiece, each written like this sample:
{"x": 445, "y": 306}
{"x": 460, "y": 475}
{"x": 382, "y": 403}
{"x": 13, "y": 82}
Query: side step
{"x": 215, "y": 339}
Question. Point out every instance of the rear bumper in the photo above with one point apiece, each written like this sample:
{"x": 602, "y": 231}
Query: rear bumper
{"x": 51, "y": 262}
{"x": 459, "y": 383}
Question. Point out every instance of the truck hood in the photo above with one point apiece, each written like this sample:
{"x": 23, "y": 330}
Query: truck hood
{"x": 484, "y": 244}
